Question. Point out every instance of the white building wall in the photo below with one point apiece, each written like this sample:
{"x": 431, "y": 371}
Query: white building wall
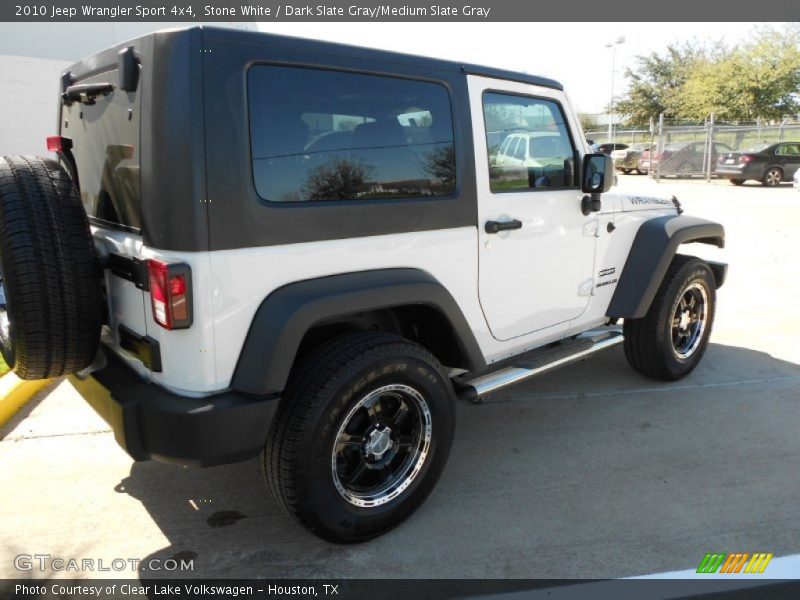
{"x": 28, "y": 96}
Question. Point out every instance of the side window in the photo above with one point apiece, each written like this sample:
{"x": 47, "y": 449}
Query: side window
{"x": 332, "y": 135}
{"x": 788, "y": 150}
{"x": 541, "y": 129}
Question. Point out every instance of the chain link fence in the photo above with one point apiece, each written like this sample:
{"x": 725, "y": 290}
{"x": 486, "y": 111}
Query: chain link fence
{"x": 680, "y": 149}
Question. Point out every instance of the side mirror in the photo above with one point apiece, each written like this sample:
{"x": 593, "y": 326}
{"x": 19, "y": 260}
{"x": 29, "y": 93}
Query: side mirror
{"x": 598, "y": 173}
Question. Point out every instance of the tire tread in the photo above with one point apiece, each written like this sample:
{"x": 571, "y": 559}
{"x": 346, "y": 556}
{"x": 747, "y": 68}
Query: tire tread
{"x": 312, "y": 382}
{"x": 51, "y": 270}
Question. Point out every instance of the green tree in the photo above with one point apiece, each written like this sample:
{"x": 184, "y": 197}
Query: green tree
{"x": 758, "y": 78}
{"x": 337, "y": 179}
{"x": 655, "y": 81}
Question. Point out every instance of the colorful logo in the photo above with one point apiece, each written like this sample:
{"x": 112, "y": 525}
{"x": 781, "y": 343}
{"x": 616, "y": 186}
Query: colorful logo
{"x": 735, "y": 562}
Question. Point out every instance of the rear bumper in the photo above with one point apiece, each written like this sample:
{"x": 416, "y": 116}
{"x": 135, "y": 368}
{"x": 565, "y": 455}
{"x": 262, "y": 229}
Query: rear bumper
{"x": 152, "y": 423}
{"x": 626, "y": 163}
{"x": 736, "y": 172}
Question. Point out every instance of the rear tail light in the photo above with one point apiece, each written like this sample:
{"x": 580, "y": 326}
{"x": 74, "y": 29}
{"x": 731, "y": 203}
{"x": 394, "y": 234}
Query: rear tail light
{"x": 57, "y": 143}
{"x": 170, "y": 293}
{"x": 744, "y": 158}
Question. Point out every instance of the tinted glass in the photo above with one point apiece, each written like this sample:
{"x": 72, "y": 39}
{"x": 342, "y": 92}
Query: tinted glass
{"x": 551, "y": 157}
{"x": 105, "y": 137}
{"x": 329, "y": 135}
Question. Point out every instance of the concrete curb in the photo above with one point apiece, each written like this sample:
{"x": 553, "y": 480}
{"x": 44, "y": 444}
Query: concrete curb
{"x": 15, "y": 393}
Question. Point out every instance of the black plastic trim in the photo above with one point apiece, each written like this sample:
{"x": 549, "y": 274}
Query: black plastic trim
{"x": 288, "y": 313}
{"x": 86, "y": 93}
{"x": 128, "y": 70}
{"x": 130, "y": 268}
{"x": 151, "y": 423}
{"x": 143, "y": 347}
{"x": 720, "y": 271}
{"x": 652, "y": 251}
{"x": 492, "y": 227}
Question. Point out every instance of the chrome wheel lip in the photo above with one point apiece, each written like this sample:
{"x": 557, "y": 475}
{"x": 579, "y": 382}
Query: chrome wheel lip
{"x": 411, "y": 466}
{"x": 690, "y": 320}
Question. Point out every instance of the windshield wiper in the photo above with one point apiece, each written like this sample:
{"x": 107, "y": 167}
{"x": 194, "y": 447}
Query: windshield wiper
{"x": 85, "y": 93}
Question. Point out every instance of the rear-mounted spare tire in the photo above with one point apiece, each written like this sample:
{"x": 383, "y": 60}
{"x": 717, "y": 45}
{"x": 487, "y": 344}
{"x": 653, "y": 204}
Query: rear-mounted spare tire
{"x": 50, "y": 299}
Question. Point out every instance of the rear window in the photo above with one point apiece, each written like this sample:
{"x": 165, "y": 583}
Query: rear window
{"x": 105, "y": 138}
{"x": 331, "y": 135}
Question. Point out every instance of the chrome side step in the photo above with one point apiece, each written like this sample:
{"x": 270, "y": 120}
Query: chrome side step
{"x": 538, "y": 362}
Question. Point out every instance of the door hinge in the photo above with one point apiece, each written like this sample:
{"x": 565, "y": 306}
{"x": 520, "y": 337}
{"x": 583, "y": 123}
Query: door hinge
{"x": 131, "y": 268}
{"x": 592, "y": 228}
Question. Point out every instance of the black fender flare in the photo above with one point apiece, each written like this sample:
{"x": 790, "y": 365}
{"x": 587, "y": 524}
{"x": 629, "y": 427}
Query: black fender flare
{"x": 284, "y": 317}
{"x": 653, "y": 249}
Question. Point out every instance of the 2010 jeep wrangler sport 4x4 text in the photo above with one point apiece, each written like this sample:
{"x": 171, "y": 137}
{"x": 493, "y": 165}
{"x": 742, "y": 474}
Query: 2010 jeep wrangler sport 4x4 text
{"x": 258, "y": 244}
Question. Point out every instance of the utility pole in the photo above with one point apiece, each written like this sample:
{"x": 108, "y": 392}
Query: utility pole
{"x": 613, "y": 45}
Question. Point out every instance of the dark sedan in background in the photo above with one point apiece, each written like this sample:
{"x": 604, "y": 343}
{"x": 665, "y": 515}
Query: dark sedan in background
{"x": 768, "y": 163}
{"x": 682, "y": 158}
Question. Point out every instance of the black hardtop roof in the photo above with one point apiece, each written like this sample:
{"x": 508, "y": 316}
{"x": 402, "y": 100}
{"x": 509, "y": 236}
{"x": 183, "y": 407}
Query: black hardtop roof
{"x": 255, "y": 37}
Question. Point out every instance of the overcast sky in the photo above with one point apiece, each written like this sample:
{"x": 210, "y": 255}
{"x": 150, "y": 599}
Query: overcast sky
{"x": 573, "y": 53}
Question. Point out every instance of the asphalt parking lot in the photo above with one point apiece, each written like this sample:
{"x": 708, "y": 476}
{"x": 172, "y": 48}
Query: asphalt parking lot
{"x": 592, "y": 471}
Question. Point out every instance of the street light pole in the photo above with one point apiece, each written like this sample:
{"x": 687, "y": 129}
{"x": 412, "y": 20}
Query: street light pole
{"x": 613, "y": 45}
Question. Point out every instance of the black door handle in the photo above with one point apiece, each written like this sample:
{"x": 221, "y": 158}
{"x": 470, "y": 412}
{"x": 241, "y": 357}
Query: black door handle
{"x": 497, "y": 226}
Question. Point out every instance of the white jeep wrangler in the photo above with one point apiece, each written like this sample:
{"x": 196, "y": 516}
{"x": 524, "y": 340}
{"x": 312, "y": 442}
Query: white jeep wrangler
{"x": 257, "y": 244}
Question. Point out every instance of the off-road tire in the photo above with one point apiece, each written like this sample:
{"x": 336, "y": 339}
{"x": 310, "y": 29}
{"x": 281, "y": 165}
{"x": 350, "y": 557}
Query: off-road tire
{"x": 649, "y": 345}
{"x": 322, "y": 389}
{"x": 50, "y": 273}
